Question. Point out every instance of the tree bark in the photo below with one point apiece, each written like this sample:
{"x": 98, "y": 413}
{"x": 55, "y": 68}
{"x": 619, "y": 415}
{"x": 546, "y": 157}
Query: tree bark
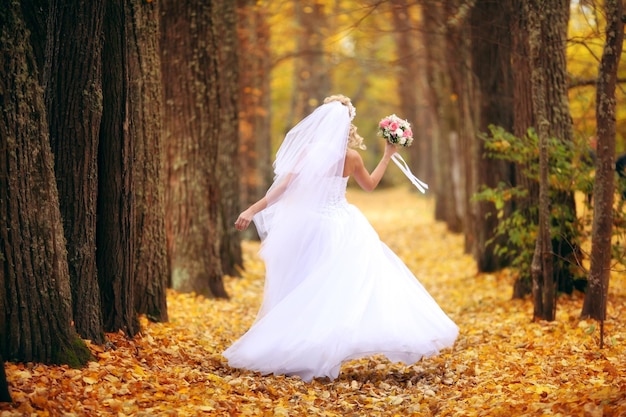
{"x": 596, "y": 293}
{"x": 422, "y": 150}
{"x": 36, "y": 13}
{"x": 255, "y": 146}
{"x": 411, "y": 87}
{"x": 35, "y": 294}
{"x": 192, "y": 121}
{"x": 555, "y": 22}
{"x": 74, "y": 101}
{"x": 550, "y": 49}
{"x": 226, "y": 93}
{"x": 145, "y": 126}
{"x": 523, "y": 119}
{"x": 406, "y": 62}
{"x": 491, "y": 65}
{"x": 5, "y": 395}
{"x": 116, "y": 206}
{"x": 444, "y": 118}
{"x": 547, "y": 25}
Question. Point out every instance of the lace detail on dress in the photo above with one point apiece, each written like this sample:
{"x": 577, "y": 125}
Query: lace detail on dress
{"x": 336, "y": 197}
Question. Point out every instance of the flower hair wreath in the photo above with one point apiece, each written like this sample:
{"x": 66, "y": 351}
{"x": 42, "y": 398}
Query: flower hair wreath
{"x": 343, "y": 100}
{"x": 351, "y": 110}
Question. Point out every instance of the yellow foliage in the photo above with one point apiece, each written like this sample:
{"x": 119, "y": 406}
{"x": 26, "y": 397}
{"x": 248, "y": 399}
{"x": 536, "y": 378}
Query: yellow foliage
{"x": 584, "y": 50}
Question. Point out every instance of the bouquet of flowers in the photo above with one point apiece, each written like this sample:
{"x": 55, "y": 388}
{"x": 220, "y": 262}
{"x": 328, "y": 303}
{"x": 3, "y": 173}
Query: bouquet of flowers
{"x": 395, "y": 130}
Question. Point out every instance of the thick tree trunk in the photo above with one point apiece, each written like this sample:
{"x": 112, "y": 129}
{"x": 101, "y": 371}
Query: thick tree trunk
{"x": 5, "y": 395}
{"x": 74, "y": 102}
{"x": 145, "y": 126}
{"x": 255, "y": 147}
{"x": 116, "y": 204}
{"x": 192, "y": 122}
{"x": 491, "y": 64}
{"x": 36, "y": 314}
{"x": 604, "y": 183}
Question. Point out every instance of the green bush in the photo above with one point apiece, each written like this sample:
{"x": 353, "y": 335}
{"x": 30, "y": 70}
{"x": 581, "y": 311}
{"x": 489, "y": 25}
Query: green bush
{"x": 570, "y": 170}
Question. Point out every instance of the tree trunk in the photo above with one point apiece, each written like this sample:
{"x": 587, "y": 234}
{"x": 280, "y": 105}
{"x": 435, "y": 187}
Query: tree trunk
{"x": 542, "y": 267}
{"x": 422, "y": 150}
{"x": 604, "y": 184}
{"x": 151, "y": 269}
{"x": 523, "y": 119}
{"x": 312, "y": 71}
{"x": 74, "y": 101}
{"x": 406, "y": 62}
{"x": 36, "y": 314}
{"x": 410, "y": 72}
{"x": 225, "y": 91}
{"x": 255, "y": 147}
{"x": 444, "y": 119}
{"x": 491, "y": 65}
{"x": 462, "y": 113}
{"x": 550, "y": 50}
{"x": 116, "y": 205}
{"x": 190, "y": 67}
{"x": 568, "y": 255}
{"x": 547, "y": 26}
{"x": 5, "y": 395}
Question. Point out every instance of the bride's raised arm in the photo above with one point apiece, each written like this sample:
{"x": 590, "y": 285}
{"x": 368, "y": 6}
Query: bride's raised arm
{"x": 357, "y": 169}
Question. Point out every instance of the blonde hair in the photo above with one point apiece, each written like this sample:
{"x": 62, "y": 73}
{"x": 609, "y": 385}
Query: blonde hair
{"x": 354, "y": 139}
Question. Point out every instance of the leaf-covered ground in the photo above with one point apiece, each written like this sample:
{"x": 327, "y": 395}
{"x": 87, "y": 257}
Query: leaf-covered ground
{"x": 503, "y": 364}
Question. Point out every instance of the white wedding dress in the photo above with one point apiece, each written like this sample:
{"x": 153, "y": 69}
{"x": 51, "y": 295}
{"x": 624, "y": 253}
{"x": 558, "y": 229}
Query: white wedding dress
{"x": 353, "y": 297}
{"x": 333, "y": 291}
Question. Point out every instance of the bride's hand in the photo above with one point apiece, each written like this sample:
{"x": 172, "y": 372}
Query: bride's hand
{"x": 243, "y": 221}
{"x": 390, "y": 149}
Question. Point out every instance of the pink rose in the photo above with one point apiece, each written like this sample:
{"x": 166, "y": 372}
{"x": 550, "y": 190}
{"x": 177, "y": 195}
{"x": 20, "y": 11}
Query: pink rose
{"x": 407, "y": 133}
{"x": 384, "y": 123}
{"x": 394, "y": 125}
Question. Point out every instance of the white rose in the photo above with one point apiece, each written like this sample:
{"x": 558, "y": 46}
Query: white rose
{"x": 402, "y": 140}
{"x": 399, "y": 132}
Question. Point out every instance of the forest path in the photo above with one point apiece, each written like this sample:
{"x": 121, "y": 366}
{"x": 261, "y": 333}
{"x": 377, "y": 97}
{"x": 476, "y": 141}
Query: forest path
{"x": 502, "y": 363}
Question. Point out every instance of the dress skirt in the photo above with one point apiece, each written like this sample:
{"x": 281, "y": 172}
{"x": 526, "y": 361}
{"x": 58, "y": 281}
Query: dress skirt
{"x": 334, "y": 292}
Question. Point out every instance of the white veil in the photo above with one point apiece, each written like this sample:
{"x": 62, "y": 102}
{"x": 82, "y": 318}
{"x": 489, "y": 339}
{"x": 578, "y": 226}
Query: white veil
{"x": 307, "y": 166}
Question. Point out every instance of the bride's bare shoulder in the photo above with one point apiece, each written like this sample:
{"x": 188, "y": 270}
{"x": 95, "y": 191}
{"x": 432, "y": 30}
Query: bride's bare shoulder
{"x": 352, "y": 155}
{"x": 352, "y": 163}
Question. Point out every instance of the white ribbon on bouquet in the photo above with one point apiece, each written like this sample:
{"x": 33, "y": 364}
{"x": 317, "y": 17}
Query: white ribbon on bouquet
{"x": 400, "y": 162}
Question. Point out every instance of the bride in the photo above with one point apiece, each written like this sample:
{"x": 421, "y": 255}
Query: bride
{"x": 333, "y": 291}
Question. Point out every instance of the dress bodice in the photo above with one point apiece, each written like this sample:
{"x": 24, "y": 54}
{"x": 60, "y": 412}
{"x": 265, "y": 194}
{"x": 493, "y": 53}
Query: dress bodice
{"x": 338, "y": 189}
{"x": 336, "y": 197}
